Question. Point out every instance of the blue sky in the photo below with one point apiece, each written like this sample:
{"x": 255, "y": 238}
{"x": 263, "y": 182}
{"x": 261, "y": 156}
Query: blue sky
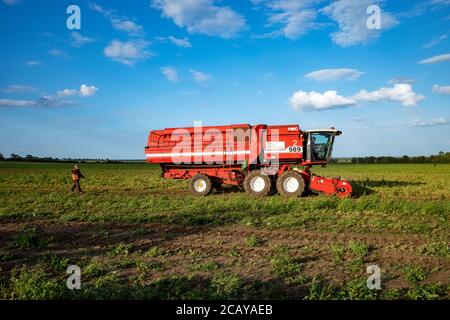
{"x": 141, "y": 65}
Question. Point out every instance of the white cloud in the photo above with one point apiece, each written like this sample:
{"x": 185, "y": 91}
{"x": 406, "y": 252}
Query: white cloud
{"x": 58, "y": 53}
{"x": 18, "y": 88}
{"x": 334, "y": 74}
{"x": 16, "y": 103}
{"x": 67, "y": 92}
{"x": 180, "y": 42}
{"x": 84, "y": 91}
{"x": 431, "y": 123}
{"x": 170, "y": 73}
{"x": 32, "y": 63}
{"x": 441, "y": 89}
{"x": 401, "y": 92}
{"x": 296, "y": 18}
{"x": 434, "y": 42}
{"x": 351, "y": 17}
{"x": 128, "y": 26}
{"x": 436, "y": 59}
{"x": 402, "y": 80}
{"x": 12, "y": 2}
{"x": 120, "y": 23}
{"x": 87, "y": 91}
{"x": 128, "y": 52}
{"x": 42, "y": 102}
{"x": 202, "y": 16}
{"x": 77, "y": 40}
{"x": 199, "y": 76}
{"x": 306, "y": 101}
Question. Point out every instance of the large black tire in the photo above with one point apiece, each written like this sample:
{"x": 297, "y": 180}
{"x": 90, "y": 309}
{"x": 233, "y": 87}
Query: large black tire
{"x": 200, "y": 185}
{"x": 290, "y": 184}
{"x": 257, "y": 183}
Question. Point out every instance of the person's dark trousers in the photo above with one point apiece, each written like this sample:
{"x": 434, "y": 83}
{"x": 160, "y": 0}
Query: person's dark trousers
{"x": 76, "y": 185}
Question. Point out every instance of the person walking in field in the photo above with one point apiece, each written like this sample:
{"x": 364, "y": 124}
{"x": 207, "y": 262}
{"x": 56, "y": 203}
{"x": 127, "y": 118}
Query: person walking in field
{"x": 76, "y": 176}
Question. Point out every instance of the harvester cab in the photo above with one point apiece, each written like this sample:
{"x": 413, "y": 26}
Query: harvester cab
{"x": 319, "y": 144}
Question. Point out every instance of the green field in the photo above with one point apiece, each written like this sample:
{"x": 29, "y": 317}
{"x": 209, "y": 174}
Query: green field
{"x": 136, "y": 235}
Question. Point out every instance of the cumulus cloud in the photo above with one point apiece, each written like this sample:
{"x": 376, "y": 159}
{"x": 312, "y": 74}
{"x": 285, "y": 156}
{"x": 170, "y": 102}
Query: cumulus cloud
{"x": 120, "y": 23}
{"x": 170, "y": 73}
{"x": 128, "y": 26}
{"x": 295, "y": 18}
{"x": 128, "y": 52}
{"x": 400, "y": 92}
{"x": 441, "y": 89}
{"x": 430, "y": 123}
{"x": 84, "y": 91}
{"x": 334, "y": 74}
{"x": 87, "y": 91}
{"x": 202, "y": 16}
{"x": 307, "y": 101}
{"x": 18, "y": 88}
{"x": 77, "y": 40}
{"x": 180, "y": 42}
{"x": 351, "y": 17}
{"x": 67, "y": 92}
{"x": 51, "y": 101}
{"x": 199, "y": 76}
{"x": 436, "y": 59}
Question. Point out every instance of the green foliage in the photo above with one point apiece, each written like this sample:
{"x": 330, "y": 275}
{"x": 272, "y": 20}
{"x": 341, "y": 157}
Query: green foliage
{"x": 225, "y": 286}
{"x": 253, "y": 241}
{"x": 154, "y": 252}
{"x": 415, "y": 274}
{"x": 120, "y": 249}
{"x": 29, "y": 237}
{"x": 283, "y": 265}
{"x": 338, "y": 251}
{"x": 34, "y": 284}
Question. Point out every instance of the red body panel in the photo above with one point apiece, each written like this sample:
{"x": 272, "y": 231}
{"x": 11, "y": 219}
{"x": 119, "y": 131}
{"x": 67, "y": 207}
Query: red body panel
{"x": 232, "y": 144}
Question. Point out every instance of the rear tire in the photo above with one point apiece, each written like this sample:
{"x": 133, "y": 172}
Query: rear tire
{"x": 290, "y": 184}
{"x": 257, "y": 183}
{"x": 200, "y": 185}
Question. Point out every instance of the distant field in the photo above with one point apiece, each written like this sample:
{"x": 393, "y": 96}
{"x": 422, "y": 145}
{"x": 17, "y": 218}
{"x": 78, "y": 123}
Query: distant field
{"x": 136, "y": 235}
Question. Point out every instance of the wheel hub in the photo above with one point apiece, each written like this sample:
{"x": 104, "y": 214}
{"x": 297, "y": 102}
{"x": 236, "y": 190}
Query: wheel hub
{"x": 200, "y": 185}
{"x": 291, "y": 184}
{"x": 257, "y": 184}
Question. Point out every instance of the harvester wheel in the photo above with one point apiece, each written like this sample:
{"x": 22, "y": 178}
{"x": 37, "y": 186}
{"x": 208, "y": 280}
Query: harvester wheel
{"x": 257, "y": 183}
{"x": 290, "y": 184}
{"x": 200, "y": 185}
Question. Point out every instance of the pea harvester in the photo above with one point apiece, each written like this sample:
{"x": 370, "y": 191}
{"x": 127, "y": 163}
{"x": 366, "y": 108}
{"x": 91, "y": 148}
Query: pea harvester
{"x": 262, "y": 159}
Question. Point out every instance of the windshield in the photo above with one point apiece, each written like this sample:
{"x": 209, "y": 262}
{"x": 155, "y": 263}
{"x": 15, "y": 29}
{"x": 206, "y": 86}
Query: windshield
{"x": 321, "y": 144}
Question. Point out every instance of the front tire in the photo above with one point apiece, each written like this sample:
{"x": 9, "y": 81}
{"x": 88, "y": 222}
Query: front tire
{"x": 290, "y": 184}
{"x": 257, "y": 183}
{"x": 200, "y": 185}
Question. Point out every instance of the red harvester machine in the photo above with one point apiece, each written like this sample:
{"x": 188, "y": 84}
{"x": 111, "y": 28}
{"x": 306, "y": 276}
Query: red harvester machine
{"x": 260, "y": 158}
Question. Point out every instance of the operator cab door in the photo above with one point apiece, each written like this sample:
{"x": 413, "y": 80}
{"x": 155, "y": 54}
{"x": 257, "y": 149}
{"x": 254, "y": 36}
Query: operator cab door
{"x": 319, "y": 144}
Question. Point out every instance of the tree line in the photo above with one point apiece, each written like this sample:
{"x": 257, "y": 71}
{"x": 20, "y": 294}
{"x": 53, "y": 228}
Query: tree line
{"x": 31, "y": 158}
{"x": 441, "y": 157}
